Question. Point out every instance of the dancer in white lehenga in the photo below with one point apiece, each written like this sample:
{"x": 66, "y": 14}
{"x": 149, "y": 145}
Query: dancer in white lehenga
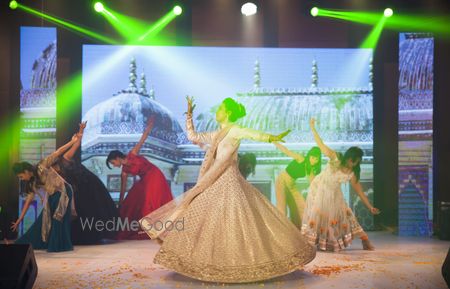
{"x": 225, "y": 229}
{"x": 328, "y": 221}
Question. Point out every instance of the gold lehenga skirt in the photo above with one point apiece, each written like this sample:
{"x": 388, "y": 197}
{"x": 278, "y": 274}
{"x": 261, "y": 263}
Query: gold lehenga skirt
{"x": 232, "y": 234}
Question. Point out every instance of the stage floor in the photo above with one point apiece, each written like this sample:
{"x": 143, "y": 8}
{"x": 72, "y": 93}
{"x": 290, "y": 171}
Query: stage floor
{"x": 398, "y": 262}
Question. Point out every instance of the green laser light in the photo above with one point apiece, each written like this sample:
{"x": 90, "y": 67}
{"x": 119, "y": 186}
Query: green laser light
{"x": 314, "y": 11}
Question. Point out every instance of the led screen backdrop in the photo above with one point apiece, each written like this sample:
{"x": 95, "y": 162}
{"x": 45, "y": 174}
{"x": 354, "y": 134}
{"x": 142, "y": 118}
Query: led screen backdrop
{"x": 415, "y": 134}
{"x": 280, "y": 88}
{"x": 37, "y": 101}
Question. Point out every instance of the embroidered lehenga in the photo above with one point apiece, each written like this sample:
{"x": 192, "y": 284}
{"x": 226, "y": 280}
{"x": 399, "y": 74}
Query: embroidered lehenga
{"x": 328, "y": 222}
{"x": 224, "y": 229}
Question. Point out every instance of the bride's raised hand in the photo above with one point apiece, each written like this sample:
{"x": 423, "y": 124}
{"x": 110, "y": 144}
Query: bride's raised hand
{"x": 191, "y": 105}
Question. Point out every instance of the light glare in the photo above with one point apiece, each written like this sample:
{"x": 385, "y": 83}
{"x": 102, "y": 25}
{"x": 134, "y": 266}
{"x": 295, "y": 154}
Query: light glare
{"x": 249, "y": 9}
{"x": 98, "y": 6}
{"x": 388, "y": 12}
{"x": 177, "y": 10}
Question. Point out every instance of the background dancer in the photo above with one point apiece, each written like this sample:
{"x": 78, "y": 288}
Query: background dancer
{"x": 328, "y": 221}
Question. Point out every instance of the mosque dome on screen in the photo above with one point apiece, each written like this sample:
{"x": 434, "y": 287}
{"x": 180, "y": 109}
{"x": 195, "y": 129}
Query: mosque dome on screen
{"x": 118, "y": 122}
{"x": 38, "y": 98}
{"x": 342, "y": 114}
{"x": 41, "y": 91}
{"x": 416, "y": 75}
{"x": 416, "y": 62}
{"x": 44, "y": 69}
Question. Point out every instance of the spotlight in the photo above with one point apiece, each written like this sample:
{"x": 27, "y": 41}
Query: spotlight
{"x": 177, "y": 10}
{"x": 388, "y": 12}
{"x": 13, "y": 5}
{"x": 98, "y": 6}
{"x": 314, "y": 11}
{"x": 249, "y": 9}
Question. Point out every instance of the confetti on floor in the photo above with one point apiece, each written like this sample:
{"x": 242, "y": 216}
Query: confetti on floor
{"x": 398, "y": 262}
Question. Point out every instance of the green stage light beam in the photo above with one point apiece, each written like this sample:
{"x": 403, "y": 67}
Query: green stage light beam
{"x": 374, "y": 35}
{"x": 67, "y": 25}
{"x": 353, "y": 16}
{"x": 68, "y": 92}
{"x": 109, "y": 14}
{"x": 158, "y": 26}
{"x": 314, "y": 11}
{"x": 132, "y": 29}
{"x": 100, "y": 8}
{"x": 436, "y": 24}
{"x": 128, "y": 27}
{"x": 10, "y": 134}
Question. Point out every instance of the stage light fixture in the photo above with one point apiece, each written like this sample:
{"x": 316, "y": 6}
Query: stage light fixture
{"x": 388, "y": 12}
{"x": 177, "y": 10}
{"x": 98, "y": 6}
{"x": 249, "y": 9}
{"x": 314, "y": 11}
{"x": 13, "y": 5}
{"x": 438, "y": 25}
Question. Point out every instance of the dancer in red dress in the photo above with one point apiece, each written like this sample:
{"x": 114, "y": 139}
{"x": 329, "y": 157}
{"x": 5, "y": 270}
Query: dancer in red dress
{"x": 146, "y": 195}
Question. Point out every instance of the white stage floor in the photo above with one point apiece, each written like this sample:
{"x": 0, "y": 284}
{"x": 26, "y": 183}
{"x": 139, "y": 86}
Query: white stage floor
{"x": 398, "y": 262}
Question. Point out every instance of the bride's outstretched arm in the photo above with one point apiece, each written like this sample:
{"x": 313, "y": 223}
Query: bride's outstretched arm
{"x": 193, "y": 136}
{"x": 248, "y": 133}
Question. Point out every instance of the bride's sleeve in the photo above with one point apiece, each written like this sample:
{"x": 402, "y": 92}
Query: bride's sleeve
{"x": 198, "y": 137}
{"x": 248, "y": 133}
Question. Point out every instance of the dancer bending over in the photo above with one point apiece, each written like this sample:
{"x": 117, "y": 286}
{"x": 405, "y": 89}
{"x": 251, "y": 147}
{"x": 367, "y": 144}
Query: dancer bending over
{"x": 328, "y": 221}
{"x": 93, "y": 202}
{"x": 51, "y": 230}
{"x": 146, "y": 195}
{"x": 285, "y": 187}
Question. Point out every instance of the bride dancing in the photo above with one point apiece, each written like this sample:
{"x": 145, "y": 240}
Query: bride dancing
{"x": 230, "y": 232}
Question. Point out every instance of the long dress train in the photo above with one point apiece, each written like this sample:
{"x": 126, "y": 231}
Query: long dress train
{"x": 59, "y": 238}
{"x": 93, "y": 203}
{"x": 328, "y": 222}
{"x": 224, "y": 229}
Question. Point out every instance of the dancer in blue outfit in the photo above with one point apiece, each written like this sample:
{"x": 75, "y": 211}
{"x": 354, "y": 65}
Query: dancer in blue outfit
{"x": 51, "y": 231}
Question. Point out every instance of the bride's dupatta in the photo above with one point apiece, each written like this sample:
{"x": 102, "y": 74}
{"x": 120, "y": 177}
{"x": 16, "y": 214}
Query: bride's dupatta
{"x": 160, "y": 222}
